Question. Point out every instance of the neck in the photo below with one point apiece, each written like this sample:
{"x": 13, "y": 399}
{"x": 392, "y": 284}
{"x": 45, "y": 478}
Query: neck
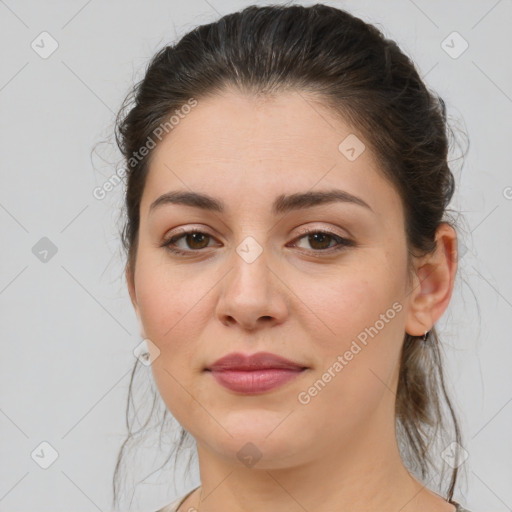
{"x": 364, "y": 473}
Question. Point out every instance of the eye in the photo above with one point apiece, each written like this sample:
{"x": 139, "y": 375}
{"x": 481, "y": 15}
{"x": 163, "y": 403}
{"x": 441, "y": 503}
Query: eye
{"x": 195, "y": 240}
{"x": 321, "y": 241}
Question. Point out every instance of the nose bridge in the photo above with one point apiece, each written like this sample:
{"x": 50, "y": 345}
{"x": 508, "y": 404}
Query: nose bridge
{"x": 250, "y": 274}
{"x": 251, "y": 290}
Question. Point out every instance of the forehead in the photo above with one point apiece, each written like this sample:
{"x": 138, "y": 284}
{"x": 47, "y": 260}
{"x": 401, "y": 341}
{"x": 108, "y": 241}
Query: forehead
{"x": 233, "y": 126}
{"x": 233, "y": 144}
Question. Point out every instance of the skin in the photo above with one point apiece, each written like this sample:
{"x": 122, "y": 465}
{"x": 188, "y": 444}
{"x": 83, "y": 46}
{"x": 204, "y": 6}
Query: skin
{"x": 339, "y": 451}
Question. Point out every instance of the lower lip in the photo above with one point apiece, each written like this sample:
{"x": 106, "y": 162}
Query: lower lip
{"x": 256, "y": 381}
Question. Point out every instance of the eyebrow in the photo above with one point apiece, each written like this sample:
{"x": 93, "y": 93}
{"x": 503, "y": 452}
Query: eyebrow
{"x": 282, "y": 204}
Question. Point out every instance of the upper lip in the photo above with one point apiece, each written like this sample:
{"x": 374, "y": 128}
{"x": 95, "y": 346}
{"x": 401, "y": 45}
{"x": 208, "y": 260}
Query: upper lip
{"x": 258, "y": 361}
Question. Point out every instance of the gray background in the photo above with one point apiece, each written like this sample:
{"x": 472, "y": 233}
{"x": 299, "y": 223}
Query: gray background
{"x": 68, "y": 328}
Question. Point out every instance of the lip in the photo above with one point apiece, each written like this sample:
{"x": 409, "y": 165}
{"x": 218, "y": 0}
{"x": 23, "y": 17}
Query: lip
{"x": 237, "y": 361}
{"x": 255, "y": 373}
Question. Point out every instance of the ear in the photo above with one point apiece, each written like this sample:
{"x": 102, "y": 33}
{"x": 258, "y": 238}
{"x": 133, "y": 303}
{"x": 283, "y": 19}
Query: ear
{"x": 433, "y": 283}
{"x": 130, "y": 281}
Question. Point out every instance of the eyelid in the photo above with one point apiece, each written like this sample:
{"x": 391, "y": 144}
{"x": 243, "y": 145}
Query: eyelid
{"x": 314, "y": 229}
{"x": 302, "y": 231}
{"x": 189, "y": 229}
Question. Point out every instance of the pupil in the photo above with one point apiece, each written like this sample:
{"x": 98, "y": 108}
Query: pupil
{"x": 194, "y": 237}
{"x": 321, "y": 236}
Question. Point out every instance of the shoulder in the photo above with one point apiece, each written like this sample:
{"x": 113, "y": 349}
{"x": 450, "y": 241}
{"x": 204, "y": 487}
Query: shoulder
{"x": 459, "y": 507}
{"x": 173, "y": 507}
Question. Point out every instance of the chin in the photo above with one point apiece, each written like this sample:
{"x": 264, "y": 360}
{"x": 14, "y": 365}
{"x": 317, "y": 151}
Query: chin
{"x": 257, "y": 442}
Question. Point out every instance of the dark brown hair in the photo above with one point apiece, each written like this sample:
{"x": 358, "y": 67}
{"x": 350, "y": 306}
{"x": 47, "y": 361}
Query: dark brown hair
{"x": 326, "y": 53}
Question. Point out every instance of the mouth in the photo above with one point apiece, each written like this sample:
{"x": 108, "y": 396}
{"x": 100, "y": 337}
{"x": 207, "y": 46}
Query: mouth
{"x": 255, "y": 381}
{"x": 254, "y": 374}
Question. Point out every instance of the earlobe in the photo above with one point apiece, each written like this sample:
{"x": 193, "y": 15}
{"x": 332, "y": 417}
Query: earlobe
{"x": 433, "y": 285}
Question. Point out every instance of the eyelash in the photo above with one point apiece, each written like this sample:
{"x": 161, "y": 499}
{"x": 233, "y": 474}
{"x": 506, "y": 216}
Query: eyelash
{"x": 342, "y": 243}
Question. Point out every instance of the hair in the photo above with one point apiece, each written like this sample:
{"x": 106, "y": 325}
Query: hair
{"x": 331, "y": 55}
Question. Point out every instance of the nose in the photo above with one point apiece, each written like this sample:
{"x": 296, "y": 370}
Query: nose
{"x": 252, "y": 295}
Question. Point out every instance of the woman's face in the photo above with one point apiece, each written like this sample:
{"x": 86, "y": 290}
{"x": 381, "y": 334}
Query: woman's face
{"x": 255, "y": 281}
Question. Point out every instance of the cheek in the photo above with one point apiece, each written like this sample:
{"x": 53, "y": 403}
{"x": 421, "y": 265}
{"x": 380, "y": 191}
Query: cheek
{"x": 171, "y": 312}
{"x": 169, "y": 304}
{"x": 349, "y": 304}
{"x": 362, "y": 322}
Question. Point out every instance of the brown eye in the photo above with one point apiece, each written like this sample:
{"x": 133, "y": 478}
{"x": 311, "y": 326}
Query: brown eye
{"x": 196, "y": 240}
{"x": 321, "y": 241}
{"x": 192, "y": 241}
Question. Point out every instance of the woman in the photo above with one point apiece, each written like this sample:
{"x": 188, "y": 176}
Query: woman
{"x": 288, "y": 257}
